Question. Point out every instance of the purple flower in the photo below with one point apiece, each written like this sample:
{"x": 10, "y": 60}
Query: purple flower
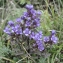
{"x": 54, "y": 39}
{"x": 38, "y": 13}
{"x": 13, "y": 29}
{"x": 40, "y": 45}
{"x": 11, "y": 23}
{"x": 25, "y": 15}
{"x": 32, "y": 11}
{"x": 36, "y": 23}
{"x": 32, "y": 35}
{"x": 46, "y": 38}
{"x": 53, "y": 32}
{"x": 28, "y": 23}
{"x": 18, "y": 29}
{"x": 7, "y": 30}
{"x": 18, "y": 20}
{"x": 38, "y": 36}
{"x": 35, "y": 14}
{"x": 27, "y": 32}
{"x": 29, "y": 7}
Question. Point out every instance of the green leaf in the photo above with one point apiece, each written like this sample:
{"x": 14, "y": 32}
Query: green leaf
{"x": 22, "y": 1}
{"x": 42, "y": 60}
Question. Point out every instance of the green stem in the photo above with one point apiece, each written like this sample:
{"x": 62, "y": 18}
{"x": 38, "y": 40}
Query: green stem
{"x": 7, "y": 59}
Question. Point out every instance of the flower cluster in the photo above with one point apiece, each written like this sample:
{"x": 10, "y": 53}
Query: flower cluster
{"x": 38, "y": 38}
{"x": 52, "y": 38}
{"x": 31, "y": 17}
{"x": 13, "y": 29}
{"x": 26, "y": 25}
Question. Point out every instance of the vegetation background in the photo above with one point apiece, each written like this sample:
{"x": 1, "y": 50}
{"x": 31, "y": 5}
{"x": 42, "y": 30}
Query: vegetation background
{"x": 52, "y": 18}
